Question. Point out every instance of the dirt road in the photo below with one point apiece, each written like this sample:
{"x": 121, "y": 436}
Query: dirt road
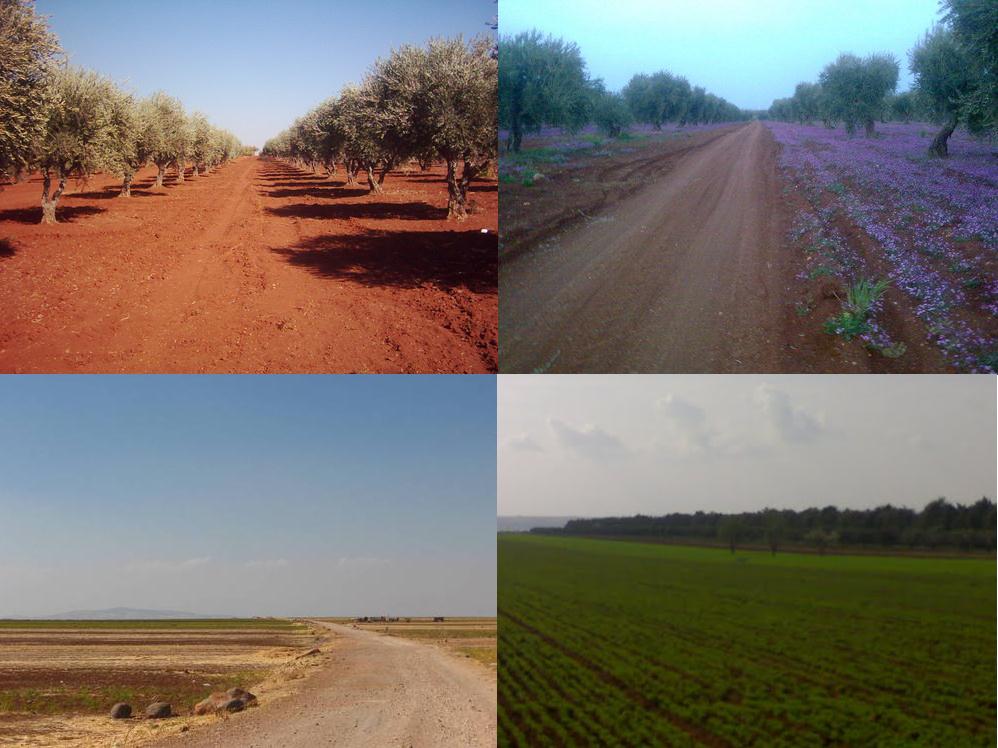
{"x": 685, "y": 275}
{"x": 378, "y": 691}
{"x": 257, "y": 267}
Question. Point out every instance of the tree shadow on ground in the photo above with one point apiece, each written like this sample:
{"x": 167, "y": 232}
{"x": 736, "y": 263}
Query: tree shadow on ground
{"x": 297, "y": 182}
{"x": 64, "y": 213}
{"x": 7, "y": 248}
{"x": 317, "y": 191}
{"x": 408, "y": 259}
{"x": 382, "y": 211}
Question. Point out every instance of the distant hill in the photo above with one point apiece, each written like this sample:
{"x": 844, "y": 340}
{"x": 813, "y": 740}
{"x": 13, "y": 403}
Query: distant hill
{"x": 125, "y": 614}
{"x": 520, "y": 523}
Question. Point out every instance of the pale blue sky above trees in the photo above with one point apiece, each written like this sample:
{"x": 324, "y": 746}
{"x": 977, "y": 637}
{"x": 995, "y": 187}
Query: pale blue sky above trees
{"x": 747, "y": 51}
{"x": 252, "y": 66}
{"x": 622, "y": 445}
{"x": 248, "y": 495}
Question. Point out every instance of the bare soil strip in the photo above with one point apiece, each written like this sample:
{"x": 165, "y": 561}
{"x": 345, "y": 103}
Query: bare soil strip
{"x": 256, "y": 268}
{"x": 378, "y": 690}
{"x": 687, "y": 275}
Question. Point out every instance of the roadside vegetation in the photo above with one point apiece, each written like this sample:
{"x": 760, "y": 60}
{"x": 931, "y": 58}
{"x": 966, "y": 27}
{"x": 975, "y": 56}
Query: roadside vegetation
{"x": 610, "y": 643}
{"x": 69, "y": 123}
{"x": 918, "y": 189}
{"x": 418, "y": 106}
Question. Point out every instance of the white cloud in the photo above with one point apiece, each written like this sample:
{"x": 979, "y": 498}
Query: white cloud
{"x": 353, "y": 562}
{"x": 791, "y": 424}
{"x": 522, "y": 443}
{"x": 589, "y": 440}
{"x": 267, "y": 563}
{"x": 688, "y": 423}
{"x": 169, "y": 566}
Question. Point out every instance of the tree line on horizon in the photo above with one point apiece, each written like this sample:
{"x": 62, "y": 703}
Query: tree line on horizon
{"x": 420, "y": 104}
{"x": 955, "y": 66}
{"x": 543, "y": 81}
{"x": 70, "y": 123}
{"x": 939, "y": 525}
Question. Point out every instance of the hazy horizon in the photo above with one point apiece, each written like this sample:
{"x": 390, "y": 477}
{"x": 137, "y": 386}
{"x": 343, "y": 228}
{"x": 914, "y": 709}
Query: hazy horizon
{"x": 747, "y": 53}
{"x": 248, "y": 495}
{"x": 252, "y": 67}
{"x": 597, "y": 446}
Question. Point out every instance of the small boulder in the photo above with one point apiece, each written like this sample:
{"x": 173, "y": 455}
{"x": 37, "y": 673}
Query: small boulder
{"x": 159, "y": 710}
{"x": 232, "y": 705}
{"x": 121, "y": 710}
{"x": 233, "y": 700}
{"x": 210, "y": 704}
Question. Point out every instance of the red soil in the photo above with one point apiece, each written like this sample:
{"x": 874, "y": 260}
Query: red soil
{"x": 258, "y": 267}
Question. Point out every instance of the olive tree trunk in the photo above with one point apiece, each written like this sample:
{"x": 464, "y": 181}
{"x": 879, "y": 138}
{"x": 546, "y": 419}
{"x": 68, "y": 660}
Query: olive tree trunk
{"x": 180, "y": 172}
{"x": 457, "y": 195}
{"x": 940, "y": 143}
{"x": 49, "y": 202}
{"x": 126, "y": 184}
{"x": 160, "y": 172}
{"x": 373, "y": 184}
{"x": 870, "y": 125}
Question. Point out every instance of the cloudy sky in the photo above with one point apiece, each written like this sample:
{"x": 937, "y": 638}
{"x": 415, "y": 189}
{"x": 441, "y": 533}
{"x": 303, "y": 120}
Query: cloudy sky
{"x": 619, "y": 445}
{"x": 248, "y": 495}
{"x": 748, "y": 51}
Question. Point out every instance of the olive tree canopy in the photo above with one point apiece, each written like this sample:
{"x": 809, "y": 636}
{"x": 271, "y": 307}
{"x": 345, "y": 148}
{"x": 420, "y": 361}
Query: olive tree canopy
{"x": 80, "y": 132}
{"x": 946, "y": 78}
{"x": 856, "y": 89}
{"x": 28, "y": 56}
{"x": 542, "y": 81}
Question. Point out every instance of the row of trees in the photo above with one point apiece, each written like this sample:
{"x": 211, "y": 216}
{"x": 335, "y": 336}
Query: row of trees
{"x": 955, "y": 66}
{"x": 544, "y": 81}
{"x": 67, "y": 122}
{"x": 422, "y": 104}
{"x": 940, "y": 524}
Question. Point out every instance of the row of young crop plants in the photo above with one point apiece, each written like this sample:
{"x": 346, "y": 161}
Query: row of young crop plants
{"x": 422, "y": 105}
{"x": 737, "y": 667}
{"x": 68, "y": 122}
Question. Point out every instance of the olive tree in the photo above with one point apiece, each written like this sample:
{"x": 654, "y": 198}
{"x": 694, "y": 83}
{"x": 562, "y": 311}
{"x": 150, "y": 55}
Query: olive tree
{"x": 946, "y": 78}
{"x": 610, "y": 112}
{"x": 806, "y": 102}
{"x": 658, "y": 98}
{"x": 167, "y": 132}
{"x": 200, "y": 142}
{"x": 80, "y": 133}
{"x": 857, "y": 88}
{"x": 28, "y": 56}
{"x": 131, "y": 139}
{"x": 975, "y": 23}
{"x": 441, "y": 98}
{"x": 542, "y": 81}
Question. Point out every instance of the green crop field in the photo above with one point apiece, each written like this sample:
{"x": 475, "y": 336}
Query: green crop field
{"x": 618, "y": 643}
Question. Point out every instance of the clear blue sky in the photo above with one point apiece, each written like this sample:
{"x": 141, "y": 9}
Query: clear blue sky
{"x": 248, "y": 495}
{"x": 748, "y": 51}
{"x": 252, "y": 66}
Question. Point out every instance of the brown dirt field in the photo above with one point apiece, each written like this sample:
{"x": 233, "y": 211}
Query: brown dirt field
{"x": 67, "y": 683}
{"x": 255, "y": 268}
